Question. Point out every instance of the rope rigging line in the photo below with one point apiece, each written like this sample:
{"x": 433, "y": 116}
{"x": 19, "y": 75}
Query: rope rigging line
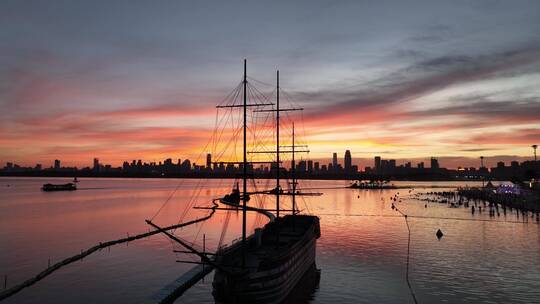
{"x": 431, "y": 217}
{"x": 408, "y": 253}
{"x": 167, "y": 200}
{"x": 224, "y": 228}
{"x": 212, "y": 140}
{"x": 261, "y": 82}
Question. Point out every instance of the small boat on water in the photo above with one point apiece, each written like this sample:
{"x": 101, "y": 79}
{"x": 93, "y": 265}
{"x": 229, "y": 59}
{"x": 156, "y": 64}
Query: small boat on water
{"x": 371, "y": 185}
{"x": 234, "y": 197}
{"x": 61, "y": 187}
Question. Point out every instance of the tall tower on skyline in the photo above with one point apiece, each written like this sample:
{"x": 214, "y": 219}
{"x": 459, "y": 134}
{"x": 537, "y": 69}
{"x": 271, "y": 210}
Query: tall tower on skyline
{"x": 348, "y": 161}
{"x": 208, "y": 161}
{"x": 56, "y": 164}
{"x": 96, "y": 164}
{"x": 434, "y": 163}
{"x": 334, "y": 160}
{"x": 377, "y": 164}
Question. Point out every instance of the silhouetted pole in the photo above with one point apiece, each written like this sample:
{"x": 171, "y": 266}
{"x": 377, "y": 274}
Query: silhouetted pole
{"x": 244, "y": 198}
{"x": 534, "y": 148}
{"x": 277, "y": 145}
{"x": 203, "y": 250}
{"x": 293, "y": 174}
{"x": 482, "y": 166}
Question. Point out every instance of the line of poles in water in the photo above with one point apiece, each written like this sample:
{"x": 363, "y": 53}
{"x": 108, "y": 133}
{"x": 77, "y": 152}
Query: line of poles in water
{"x": 480, "y": 199}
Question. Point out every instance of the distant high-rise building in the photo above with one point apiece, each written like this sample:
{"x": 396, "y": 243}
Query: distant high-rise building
{"x": 377, "y": 164}
{"x": 301, "y": 166}
{"x": 274, "y": 166}
{"x": 420, "y": 165}
{"x": 57, "y": 164}
{"x": 96, "y": 165}
{"x": 334, "y": 160}
{"x": 348, "y": 161}
{"x": 316, "y": 167}
{"x": 208, "y": 160}
{"x": 434, "y": 163}
{"x": 384, "y": 166}
{"x": 310, "y": 166}
{"x": 186, "y": 165}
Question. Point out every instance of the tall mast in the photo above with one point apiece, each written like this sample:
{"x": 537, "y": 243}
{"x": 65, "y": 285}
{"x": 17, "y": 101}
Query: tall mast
{"x": 244, "y": 175}
{"x": 293, "y": 168}
{"x": 277, "y": 147}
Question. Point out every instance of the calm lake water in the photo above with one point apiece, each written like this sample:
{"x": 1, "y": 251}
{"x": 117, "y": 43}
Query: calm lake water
{"x": 361, "y": 254}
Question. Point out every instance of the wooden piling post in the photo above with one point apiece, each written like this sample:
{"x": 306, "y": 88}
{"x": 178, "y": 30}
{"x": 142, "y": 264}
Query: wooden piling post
{"x": 203, "y": 250}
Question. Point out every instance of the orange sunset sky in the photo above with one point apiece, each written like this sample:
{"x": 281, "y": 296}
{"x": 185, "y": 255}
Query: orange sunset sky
{"x": 451, "y": 80}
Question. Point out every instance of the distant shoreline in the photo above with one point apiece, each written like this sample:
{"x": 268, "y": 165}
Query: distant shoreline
{"x": 225, "y": 176}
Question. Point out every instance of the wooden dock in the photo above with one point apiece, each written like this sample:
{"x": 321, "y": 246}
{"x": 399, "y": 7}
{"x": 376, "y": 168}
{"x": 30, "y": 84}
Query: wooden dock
{"x": 176, "y": 288}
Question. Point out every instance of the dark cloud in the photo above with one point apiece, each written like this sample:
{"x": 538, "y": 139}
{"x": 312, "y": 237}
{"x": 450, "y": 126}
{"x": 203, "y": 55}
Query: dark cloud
{"x": 422, "y": 79}
{"x": 517, "y": 110}
{"x": 478, "y": 149}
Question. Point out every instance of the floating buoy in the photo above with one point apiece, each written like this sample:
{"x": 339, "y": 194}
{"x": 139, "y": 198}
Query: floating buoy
{"x": 439, "y": 234}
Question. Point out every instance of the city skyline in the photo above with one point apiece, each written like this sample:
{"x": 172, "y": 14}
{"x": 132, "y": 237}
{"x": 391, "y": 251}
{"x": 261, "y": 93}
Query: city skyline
{"x": 346, "y": 163}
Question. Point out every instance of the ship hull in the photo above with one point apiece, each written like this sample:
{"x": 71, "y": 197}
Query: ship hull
{"x": 275, "y": 274}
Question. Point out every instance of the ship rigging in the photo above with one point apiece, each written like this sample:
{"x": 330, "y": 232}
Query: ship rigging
{"x": 265, "y": 266}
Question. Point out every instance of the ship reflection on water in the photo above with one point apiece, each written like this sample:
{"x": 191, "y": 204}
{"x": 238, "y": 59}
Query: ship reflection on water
{"x": 304, "y": 292}
{"x": 306, "y": 289}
